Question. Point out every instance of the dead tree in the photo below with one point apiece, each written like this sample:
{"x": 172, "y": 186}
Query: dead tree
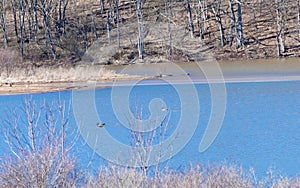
{"x": 94, "y": 27}
{"x": 280, "y": 20}
{"x": 118, "y": 22}
{"x": 298, "y": 6}
{"x": 62, "y": 8}
{"x": 215, "y": 7}
{"x": 3, "y": 23}
{"x": 139, "y": 14}
{"x": 21, "y": 13}
{"x": 170, "y": 49}
{"x": 14, "y": 7}
{"x": 240, "y": 36}
{"x": 102, "y": 6}
{"x": 202, "y": 17}
{"x": 236, "y": 25}
{"x": 233, "y": 22}
{"x": 190, "y": 17}
{"x": 108, "y": 27}
{"x": 34, "y": 4}
{"x": 28, "y": 13}
{"x": 48, "y": 35}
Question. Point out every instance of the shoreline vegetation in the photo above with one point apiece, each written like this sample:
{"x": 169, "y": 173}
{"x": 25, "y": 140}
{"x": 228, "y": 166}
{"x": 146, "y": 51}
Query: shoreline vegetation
{"x": 30, "y": 79}
{"x": 44, "y": 44}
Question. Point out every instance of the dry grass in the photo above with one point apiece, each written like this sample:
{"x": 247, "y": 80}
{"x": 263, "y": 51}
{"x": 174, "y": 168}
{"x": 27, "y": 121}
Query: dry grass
{"x": 57, "y": 74}
{"x": 14, "y": 70}
{"x": 195, "y": 177}
{"x": 114, "y": 176}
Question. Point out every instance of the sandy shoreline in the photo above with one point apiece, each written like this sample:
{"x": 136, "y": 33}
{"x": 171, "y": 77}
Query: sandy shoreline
{"x": 149, "y": 74}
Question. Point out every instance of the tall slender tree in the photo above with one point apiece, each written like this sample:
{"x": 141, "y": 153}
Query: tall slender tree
{"x": 217, "y": 14}
{"x": 240, "y": 24}
{"x": 190, "y": 17}
{"x": 298, "y": 7}
{"x": 139, "y": 14}
{"x": 3, "y": 22}
{"x": 280, "y": 20}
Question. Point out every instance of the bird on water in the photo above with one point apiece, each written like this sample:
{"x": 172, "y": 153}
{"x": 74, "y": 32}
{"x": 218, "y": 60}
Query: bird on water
{"x": 100, "y": 125}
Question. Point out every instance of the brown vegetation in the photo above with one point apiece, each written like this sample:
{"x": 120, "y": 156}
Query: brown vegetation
{"x": 63, "y": 30}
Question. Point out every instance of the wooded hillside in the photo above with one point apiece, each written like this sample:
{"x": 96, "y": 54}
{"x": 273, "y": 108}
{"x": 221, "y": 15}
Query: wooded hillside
{"x": 62, "y": 30}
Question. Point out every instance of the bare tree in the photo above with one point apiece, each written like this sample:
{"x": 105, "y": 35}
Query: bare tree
{"x": 190, "y": 18}
{"x": 216, "y": 9}
{"x": 298, "y": 7}
{"x": 200, "y": 20}
{"x": 240, "y": 35}
{"x": 170, "y": 48}
{"x": 21, "y": 13}
{"x": 139, "y": 14}
{"x": 280, "y": 20}
{"x": 102, "y": 6}
{"x": 3, "y": 22}
{"x": 108, "y": 25}
{"x": 233, "y": 22}
{"x": 41, "y": 150}
{"x": 118, "y": 22}
{"x": 237, "y": 26}
{"x": 94, "y": 27}
{"x": 62, "y": 8}
{"x": 143, "y": 141}
{"x": 14, "y": 7}
{"x": 46, "y": 12}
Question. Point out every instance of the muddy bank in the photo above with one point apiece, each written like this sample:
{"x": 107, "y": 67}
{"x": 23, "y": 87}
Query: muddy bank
{"x": 230, "y": 71}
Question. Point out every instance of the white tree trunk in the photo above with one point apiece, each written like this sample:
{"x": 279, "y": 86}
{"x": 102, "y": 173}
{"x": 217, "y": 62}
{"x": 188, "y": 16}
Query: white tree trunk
{"x": 139, "y": 13}
{"x": 190, "y": 17}
{"x": 240, "y": 25}
{"x": 280, "y": 28}
{"x": 216, "y": 11}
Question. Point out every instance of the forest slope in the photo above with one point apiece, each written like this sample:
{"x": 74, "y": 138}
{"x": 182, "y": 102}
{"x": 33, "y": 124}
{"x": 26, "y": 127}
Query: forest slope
{"x": 62, "y": 31}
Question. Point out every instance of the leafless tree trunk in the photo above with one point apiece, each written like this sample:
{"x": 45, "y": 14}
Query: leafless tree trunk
{"x": 280, "y": 7}
{"x": 45, "y": 13}
{"x": 21, "y": 13}
{"x": 28, "y": 18}
{"x": 202, "y": 18}
{"x": 190, "y": 17}
{"x": 139, "y": 14}
{"x": 3, "y": 23}
{"x": 237, "y": 26}
{"x": 216, "y": 10}
{"x": 118, "y": 22}
{"x": 233, "y": 23}
{"x": 171, "y": 48}
{"x": 298, "y": 6}
{"x": 14, "y": 5}
{"x": 62, "y": 8}
{"x": 102, "y": 6}
{"x": 64, "y": 15}
{"x": 240, "y": 25}
{"x": 35, "y": 15}
{"x": 94, "y": 27}
{"x": 108, "y": 25}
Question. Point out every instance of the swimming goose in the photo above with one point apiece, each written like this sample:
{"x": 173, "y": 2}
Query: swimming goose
{"x": 100, "y": 125}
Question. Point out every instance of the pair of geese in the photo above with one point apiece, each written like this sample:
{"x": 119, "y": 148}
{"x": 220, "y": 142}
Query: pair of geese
{"x": 100, "y": 125}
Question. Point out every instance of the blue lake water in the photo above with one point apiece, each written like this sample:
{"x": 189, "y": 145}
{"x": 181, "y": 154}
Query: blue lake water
{"x": 261, "y": 128}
